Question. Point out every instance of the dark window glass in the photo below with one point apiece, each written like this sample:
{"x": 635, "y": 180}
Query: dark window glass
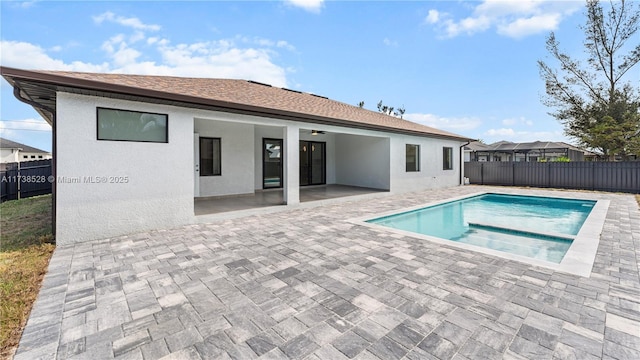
{"x": 124, "y": 125}
{"x": 413, "y": 157}
{"x": 447, "y": 158}
{"x": 210, "y": 157}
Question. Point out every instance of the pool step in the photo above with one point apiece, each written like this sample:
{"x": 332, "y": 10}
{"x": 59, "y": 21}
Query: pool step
{"x": 550, "y": 235}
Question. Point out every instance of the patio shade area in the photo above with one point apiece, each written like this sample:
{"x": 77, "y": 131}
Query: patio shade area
{"x": 303, "y": 284}
{"x": 274, "y": 197}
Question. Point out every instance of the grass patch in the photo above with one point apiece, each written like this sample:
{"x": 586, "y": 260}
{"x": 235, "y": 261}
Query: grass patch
{"x": 25, "y": 250}
{"x": 25, "y": 222}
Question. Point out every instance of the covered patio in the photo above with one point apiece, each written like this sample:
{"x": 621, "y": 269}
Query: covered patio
{"x": 274, "y": 197}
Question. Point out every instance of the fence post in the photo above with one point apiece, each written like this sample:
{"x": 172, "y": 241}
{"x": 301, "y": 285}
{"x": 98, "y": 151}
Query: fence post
{"x": 593, "y": 175}
{"x": 481, "y": 173}
{"x": 18, "y": 181}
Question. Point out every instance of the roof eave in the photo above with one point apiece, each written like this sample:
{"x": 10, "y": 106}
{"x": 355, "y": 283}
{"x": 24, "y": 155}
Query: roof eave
{"x": 60, "y": 80}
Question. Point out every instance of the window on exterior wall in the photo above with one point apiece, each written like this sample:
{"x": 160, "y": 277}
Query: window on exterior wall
{"x": 33, "y": 156}
{"x": 124, "y": 125}
{"x": 447, "y": 158}
{"x": 39, "y": 156}
{"x": 25, "y": 156}
{"x": 413, "y": 157}
{"x": 210, "y": 157}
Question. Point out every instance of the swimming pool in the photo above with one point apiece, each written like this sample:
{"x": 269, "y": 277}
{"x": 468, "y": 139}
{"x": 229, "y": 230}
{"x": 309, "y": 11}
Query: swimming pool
{"x": 561, "y": 233}
{"x": 537, "y": 227}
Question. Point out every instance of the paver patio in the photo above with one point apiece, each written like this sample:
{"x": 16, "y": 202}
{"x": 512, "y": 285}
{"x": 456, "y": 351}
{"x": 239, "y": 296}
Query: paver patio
{"x": 307, "y": 284}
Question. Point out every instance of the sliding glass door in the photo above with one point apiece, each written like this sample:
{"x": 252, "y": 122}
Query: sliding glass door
{"x": 312, "y": 163}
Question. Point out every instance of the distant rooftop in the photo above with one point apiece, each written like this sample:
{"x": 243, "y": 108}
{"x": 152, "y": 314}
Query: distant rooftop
{"x": 9, "y": 144}
{"x": 508, "y": 146}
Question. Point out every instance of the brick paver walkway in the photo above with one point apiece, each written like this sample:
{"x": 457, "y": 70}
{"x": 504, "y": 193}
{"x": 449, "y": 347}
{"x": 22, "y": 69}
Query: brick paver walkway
{"x": 307, "y": 284}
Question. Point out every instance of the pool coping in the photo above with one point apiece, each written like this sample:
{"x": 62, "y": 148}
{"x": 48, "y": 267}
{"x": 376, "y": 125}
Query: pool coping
{"x": 578, "y": 260}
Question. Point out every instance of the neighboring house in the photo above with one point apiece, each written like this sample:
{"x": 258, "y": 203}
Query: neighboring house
{"x": 11, "y": 152}
{"x": 132, "y": 153}
{"x": 531, "y": 151}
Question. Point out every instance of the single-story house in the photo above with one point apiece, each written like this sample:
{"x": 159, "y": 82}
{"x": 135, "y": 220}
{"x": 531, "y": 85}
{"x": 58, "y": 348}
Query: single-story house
{"x": 133, "y": 153}
{"x": 13, "y": 152}
{"x": 529, "y": 151}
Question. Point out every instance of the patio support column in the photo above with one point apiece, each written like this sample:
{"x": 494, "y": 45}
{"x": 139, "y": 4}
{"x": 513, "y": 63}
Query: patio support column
{"x": 291, "y": 165}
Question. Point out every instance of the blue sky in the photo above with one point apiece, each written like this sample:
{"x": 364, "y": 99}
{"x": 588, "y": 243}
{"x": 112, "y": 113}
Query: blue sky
{"x": 465, "y": 67}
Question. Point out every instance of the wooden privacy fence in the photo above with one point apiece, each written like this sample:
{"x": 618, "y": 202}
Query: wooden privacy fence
{"x": 25, "y": 179}
{"x": 605, "y": 176}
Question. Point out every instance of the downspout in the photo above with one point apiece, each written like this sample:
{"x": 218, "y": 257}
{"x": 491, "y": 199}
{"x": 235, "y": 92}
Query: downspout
{"x": 462, "y": 161}
{"x": 16, "y": 93}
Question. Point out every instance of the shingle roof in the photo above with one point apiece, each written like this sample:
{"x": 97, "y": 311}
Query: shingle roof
{"x": 8, "y": 144}
{"x": 258, "y": 97}
{"x": 477, "y": 146}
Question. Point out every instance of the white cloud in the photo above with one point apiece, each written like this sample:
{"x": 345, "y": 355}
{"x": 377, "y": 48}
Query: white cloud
{"x": 267, "y": 43}
{"x": 501, "y": 132}
{"x": 509, "y": 134}
{"x": 512, "y": 18}
{"x": 13, "y": 128}
{"x": 135, "y": 54}
{"x": 21, "y": 4}
{"x": 215, "y": 59}
{"x": 264, "y": 42}
{"x": 468, "y": 25}
{"x": 29, "y": 56}
{"x": 433, "y": 16}
{"x": 125, "y": 56}
{"x": 131, "y": 22}
{"x": 137, "y": 36}
{"x": 444, "y": 123}
{"x": 513, "y": 121}
{"x": 528, "y": 26}
{"x": 109, "y": 45}
{"x": 286, "y": 45}
{"x": 389, "y": 42}
{"x": 308, "y": 5}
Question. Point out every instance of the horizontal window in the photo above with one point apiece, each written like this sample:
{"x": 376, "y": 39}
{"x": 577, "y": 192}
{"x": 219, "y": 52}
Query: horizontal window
{"x": 412, "y": 156}
{"x": 210, "y": 157}
{"x": 125, "y": 125}
{"x": 447, "y": 158}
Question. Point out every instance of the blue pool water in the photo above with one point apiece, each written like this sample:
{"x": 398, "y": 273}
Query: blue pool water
{"x": 537, "y": 227}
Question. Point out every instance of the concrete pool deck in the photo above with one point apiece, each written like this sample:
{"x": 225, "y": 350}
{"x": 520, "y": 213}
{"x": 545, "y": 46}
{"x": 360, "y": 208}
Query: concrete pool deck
{"x": 306, "y": 283}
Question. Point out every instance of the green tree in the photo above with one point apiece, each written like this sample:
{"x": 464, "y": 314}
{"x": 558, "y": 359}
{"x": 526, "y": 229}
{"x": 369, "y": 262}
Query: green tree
{"x": 592, "y": 101}
{"x": 563, "y": 159}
